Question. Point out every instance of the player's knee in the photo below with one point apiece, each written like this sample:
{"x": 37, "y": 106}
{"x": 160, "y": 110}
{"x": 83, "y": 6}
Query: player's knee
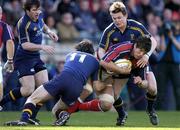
{"x": 27, "y": 91}
{"x": 152, "y": 89}
{"x": 106, "y": 106}
{"x": 107, "y": 101}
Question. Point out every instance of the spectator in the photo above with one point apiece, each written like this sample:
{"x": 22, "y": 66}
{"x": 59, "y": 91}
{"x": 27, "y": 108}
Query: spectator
{"x": 85, "y": 22}
{"x": 101, "y": 14}
{"x": 168, "y": 68}
{"x": 66, "y": 28}
{"x": 50, "y": 22}
{"x": 68, "y": 6}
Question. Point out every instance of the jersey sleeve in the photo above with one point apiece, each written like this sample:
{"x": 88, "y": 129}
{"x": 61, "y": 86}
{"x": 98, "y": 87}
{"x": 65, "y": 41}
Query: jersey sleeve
{"x": 41, "y": 17}
{"x": 104, "y": 41}
{"x": 145, "y": 31}
{"x": 7, "y": 33}
{"x": 23, "y": 28}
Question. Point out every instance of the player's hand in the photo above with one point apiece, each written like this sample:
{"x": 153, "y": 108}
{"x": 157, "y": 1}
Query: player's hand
{"x": 141, "y": 83}
{"x": 49, "y": 49}
{"x": 8, "y": 66}
{"x": 143, "y": 61}
{"x": 53, "y": 36}
{"x": 137, "y": 80}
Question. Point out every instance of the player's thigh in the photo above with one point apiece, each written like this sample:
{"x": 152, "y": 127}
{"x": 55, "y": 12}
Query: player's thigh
{"x": 152, "y": 85}
{"x": 108, "y": 89}
{"x": 59, "y": 105}
{"x": 118, "y": 86}
{"x": 27, "y": 85}
{"x": 40, "y": 95}
{"x": 41, "y": 77}
{"x": 41, "y": 74}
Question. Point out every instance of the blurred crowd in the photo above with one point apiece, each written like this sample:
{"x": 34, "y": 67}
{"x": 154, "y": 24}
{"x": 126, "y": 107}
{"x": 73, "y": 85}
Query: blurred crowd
{"x": 74, "y": 20}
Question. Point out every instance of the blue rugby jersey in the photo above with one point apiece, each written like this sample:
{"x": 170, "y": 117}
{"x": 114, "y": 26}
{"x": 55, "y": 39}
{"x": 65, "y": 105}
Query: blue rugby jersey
{"x": 112, "y": 35}
{"x": 29, "y": 31}
{"x": 5, "y": 32}
{"x": 83, "y": 65}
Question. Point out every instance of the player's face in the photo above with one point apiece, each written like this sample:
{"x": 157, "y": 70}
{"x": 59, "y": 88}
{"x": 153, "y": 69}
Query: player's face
{"x": 119, "y": 19}
{"x": 138, "y": 53}
{"x": 34, "y": 13}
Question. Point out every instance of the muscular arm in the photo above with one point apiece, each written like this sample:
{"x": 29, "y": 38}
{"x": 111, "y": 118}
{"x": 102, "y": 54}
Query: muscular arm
{"x": 31, "y": 46}
{"x": 10, "y": 49}
{"x": 101, "y": 53}
{"x": 51, "y": 34}
{"x": 110, "y": 66}
{"x": 153, "y": 46}
{"x": 46, "y": 29}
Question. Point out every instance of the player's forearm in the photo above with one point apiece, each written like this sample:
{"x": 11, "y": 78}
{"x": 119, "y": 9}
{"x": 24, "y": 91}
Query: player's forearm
{"x": 153, "y": 46}
{"x": 101, "y": 53}
{"x": 10, "y": 49}
{"x": 46, "y": 29}
{"x": 110, "y": 66}
{"x": 31, "y": 46}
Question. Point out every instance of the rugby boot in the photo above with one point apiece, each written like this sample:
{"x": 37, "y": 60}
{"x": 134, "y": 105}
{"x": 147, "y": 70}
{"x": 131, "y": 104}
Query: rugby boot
{"x": 122, "y": 120}
{"x": 63, "y": 118}
{"x": 153, "y": 117}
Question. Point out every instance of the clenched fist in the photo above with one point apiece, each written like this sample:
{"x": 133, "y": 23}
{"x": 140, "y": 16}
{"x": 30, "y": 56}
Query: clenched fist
{"x": 8, "y": 66}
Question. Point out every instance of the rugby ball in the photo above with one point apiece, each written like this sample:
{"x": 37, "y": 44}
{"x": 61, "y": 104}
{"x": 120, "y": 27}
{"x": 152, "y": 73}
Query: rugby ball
{"x": 123, "y": 63}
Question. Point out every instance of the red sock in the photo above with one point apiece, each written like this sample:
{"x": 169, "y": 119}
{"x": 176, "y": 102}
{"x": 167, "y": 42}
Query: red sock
{"x": 93, "y": 105}
{"x": 73, "y": 108}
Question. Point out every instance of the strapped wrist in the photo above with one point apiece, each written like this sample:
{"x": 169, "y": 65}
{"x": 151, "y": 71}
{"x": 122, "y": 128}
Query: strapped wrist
{"x": 147, "y": 55}
{"x": 48, "y": 31}
{"x": 10, "y": 60}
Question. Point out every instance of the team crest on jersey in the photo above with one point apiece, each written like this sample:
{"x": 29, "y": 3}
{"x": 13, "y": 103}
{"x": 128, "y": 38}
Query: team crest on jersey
{"x": 115, "y": 40}
{"x": 35, "y": 28}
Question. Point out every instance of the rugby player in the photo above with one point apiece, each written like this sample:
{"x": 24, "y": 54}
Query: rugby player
{"x": 79, "y": 66}
{"x": 123, "y": 30}
{"x": 6, "y": 37}
{"x": 30, "y": 68}
{"x": 143, "y": 77}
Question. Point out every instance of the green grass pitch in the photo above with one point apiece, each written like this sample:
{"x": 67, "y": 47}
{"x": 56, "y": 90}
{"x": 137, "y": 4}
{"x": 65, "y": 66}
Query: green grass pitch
{"x": 98, "y": 121}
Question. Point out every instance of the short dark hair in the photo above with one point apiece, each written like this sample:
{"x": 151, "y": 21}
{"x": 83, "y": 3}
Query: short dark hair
{"x": 30, "y": 3}
{"x": 143, "y": 42}
{"x": 85, "y": 46}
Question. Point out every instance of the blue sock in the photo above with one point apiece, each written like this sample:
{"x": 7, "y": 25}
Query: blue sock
{"x": 150, "y": 99}
{"x": 118, "y": 105}
{"x": 34, "y": 114}
{"x": 13, "y": 95}
{"x": 28, "y": 110}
